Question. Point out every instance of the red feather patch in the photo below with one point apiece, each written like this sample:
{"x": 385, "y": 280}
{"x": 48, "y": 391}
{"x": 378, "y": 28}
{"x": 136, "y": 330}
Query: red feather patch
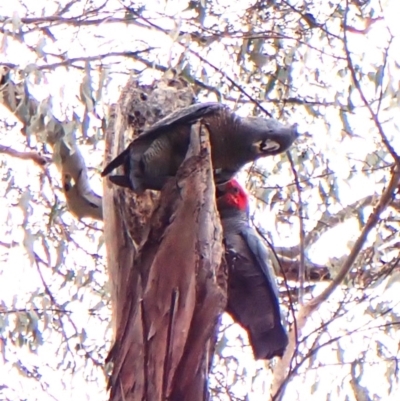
{"x": 236, "y": 196}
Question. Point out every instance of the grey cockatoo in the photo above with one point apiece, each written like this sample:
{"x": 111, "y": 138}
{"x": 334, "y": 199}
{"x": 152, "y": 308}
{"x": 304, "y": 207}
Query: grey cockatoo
{"x": 157, "y": 153}
{"x": 253, "y": 299}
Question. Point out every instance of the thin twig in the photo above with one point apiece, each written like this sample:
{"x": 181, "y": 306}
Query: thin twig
{"x": 357, "y": 84}
{"x": 302, "y": 270}
{"x": 34, "y": 156}
{"x": 57, "y": 306}
{"x": 371, "y": 223}
{"x": 201, "y": 58}
{"x": 306, "y": 310}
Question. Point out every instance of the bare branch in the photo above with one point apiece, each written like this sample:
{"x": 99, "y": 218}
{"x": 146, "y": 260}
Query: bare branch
{"x": 302, "y": 272}
{"x": 371, "y": 223}
{"x": 325, "y": 223}
{"x": 303, "y": 315}
{"x": 204, "y": 60}
{"x": 81, "y": 199}
{"x": 357, "y": 84}
{"x": 71, "y": 61}
{"x": 34, "y": 156}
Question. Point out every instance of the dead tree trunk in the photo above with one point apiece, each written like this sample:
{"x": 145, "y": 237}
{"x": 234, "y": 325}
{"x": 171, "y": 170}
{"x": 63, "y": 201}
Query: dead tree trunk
{"x": 165, "y": 267}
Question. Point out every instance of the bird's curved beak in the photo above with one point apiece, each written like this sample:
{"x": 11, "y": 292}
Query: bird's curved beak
{"x": 267, "y": 146}
{"x": 220, "y": 190}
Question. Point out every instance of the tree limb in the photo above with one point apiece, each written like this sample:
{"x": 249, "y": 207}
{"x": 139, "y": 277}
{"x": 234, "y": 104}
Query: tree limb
{"x": 371, "y": 223}
{"x": 325, "y": 223}
{"x": 305, "y": 312}
{"x": 34, "y": 156}
{"x": 160, "y": 350}
{"x": 81, "y": 200}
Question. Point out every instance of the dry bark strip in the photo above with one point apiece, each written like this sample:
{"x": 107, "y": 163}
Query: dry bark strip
{"x": 163, "y": 350}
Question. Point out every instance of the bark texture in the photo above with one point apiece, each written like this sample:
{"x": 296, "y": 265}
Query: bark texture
{"x": 126, "y": 215}
{"x": 164, "y": 258}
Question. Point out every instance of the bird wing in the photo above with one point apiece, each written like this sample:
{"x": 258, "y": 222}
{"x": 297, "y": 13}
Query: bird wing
{"x": 187, "y": 115}
{"x": 267, "y": 341}
{"x": 260, "y": 252}
{"x": 118, "y": 161}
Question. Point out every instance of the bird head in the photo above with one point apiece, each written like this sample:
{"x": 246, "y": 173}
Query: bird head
{"x": 270, "y": 137}
{"x": 231, "y": 196}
